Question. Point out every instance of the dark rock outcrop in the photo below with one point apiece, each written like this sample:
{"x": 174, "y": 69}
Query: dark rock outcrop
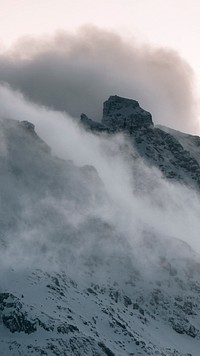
{"x": 125, "y": 114}
{"x": 177, "y": 155}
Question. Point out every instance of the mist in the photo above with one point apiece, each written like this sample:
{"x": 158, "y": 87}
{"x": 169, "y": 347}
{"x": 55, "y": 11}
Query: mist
{"x": 100, "y": 211}
{"x": 75, "y": 73}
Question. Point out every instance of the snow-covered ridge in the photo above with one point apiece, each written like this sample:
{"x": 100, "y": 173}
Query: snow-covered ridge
{"x": 79, "y": 276}
{"x": 128, "y": 314}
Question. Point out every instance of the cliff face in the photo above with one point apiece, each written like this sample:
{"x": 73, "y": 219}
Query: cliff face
{"x": 120, "y": 114}
{"x": 125, "y": 114}
{"x": 176, "y": 155}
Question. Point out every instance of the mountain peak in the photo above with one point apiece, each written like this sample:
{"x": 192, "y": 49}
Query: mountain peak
{"x": 174, "y": 153}
{"x": 125, "y": 114}
{"x": 120, "y": 114}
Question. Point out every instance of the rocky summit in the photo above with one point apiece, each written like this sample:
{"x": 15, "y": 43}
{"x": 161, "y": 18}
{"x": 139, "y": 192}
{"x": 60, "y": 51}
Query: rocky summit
{"x": 177, "y": 155}
{"x": 88, "y": 273}
{"x": 120, "y": 114}
{"x": 125, "y": 114}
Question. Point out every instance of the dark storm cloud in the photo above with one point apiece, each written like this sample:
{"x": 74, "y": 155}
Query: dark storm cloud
{"x": 76, "y": 73}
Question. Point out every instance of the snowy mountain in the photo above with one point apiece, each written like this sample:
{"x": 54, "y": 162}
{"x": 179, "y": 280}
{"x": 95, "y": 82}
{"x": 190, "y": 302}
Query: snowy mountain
{"x": 87, "y": 272}
{"x": 177, "y": 155}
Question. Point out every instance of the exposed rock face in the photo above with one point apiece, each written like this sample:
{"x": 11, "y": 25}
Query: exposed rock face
{"x": 53, "y": 314}
{"x": 120, "y": 114}
{"x": 177, "y": 155}
{"x": 125, "y": 114}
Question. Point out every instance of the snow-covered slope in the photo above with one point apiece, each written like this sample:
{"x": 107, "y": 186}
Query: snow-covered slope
{"x": 84, "y": 274}
{"x": 124, "y": 313}
{"x": 190, "y": 143}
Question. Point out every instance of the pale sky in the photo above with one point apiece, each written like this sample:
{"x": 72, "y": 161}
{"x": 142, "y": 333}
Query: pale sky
{"x": 171, "y": 23}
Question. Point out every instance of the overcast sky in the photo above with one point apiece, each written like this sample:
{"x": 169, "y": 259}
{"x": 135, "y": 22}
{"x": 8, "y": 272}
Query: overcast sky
{"x": 168, "y": 24}
{"x": 173, "y": 23}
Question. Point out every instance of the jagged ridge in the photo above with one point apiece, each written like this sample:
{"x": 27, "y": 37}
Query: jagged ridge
{"x": 177, "y": 156}
{"x": 75, "y": 311}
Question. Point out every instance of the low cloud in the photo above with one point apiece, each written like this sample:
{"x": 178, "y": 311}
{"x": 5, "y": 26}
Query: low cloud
{"x": 136, "y": 200}
{"x": 75, "y": 73}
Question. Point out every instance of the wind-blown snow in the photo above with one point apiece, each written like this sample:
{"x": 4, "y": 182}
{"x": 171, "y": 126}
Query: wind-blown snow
{"x": 109, "y": 236}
